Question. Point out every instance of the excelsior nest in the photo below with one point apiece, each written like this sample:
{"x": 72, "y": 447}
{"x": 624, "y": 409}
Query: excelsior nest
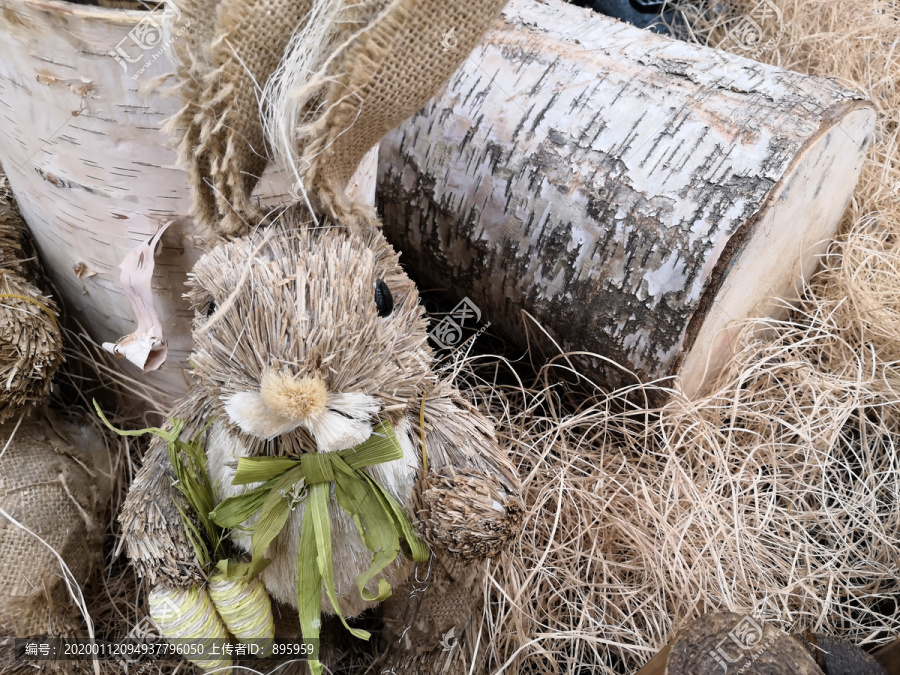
{"x": 779, "y": 493}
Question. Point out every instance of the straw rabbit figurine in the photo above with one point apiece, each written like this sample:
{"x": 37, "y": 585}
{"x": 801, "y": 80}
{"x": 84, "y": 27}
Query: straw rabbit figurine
{"x": 305, "y": 338}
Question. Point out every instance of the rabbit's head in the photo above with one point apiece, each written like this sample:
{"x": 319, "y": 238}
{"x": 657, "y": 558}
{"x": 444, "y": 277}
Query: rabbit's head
{"x": 306, "y": 336}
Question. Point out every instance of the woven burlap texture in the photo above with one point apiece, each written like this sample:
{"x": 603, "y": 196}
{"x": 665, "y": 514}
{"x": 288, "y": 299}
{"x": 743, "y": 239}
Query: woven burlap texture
{"x": 383, "y": 75}
{"x": 228, "y": 51}
{"x": 380, "y": 62}
{"x": 438, "y": 636}
{"x": 57, "y": 490}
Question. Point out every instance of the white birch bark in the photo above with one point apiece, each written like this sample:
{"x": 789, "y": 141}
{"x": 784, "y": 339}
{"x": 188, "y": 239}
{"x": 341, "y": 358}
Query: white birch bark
{"x": 638, "y": 195}
{"x": 82, "y": 147}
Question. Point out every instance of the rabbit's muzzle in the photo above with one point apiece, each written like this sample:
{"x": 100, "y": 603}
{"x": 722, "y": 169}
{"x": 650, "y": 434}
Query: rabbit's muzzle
{"x": 285, "y": 402}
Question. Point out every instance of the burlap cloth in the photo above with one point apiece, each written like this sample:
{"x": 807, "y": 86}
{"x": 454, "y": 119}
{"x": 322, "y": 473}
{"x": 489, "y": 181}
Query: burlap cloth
{"x": 54, "y": 480}
{"x": 439, "y": 637}
{"x": 377, "y": 62}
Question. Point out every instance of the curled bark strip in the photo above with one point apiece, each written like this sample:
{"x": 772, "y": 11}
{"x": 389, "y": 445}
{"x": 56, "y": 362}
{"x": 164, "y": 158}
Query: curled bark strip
{"x": 146, "y": 346}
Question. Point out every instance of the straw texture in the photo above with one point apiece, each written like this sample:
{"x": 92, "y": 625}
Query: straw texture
{"x": 778, "y": 493}
{"x": 468, "y": 502}
{"x": 351, "y": 73}
{"x": 288, "y": 318}
{"x": 189, "y": 614}
{"x": 156, "y": 540}
{"x": 30, "y": 341}
{"x": 244, "y": 606}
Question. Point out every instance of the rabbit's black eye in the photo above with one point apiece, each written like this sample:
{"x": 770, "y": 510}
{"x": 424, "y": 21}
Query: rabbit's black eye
{"x": 211, "y": 308}
{"x": 384, "y": 301}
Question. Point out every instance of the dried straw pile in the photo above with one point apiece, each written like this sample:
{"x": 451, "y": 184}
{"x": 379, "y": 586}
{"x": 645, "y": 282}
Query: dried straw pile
{"x": 779, "y": 493}
{"x": 30, "y": 342}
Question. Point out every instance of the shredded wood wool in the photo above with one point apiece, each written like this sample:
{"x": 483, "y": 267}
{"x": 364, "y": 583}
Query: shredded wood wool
{"x": 776, "y": 494}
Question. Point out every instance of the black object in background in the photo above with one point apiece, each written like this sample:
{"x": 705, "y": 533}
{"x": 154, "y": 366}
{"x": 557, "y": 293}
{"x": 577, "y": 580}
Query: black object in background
{"x": 650, "y": 14}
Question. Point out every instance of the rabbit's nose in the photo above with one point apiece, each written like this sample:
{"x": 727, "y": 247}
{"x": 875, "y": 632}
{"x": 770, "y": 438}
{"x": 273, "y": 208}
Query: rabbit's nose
{"x": 293, "y": 398}
{"x": 283, "y": 403}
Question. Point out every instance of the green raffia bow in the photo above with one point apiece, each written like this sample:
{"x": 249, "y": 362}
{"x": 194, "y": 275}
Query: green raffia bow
{"x": 382, "y": 522}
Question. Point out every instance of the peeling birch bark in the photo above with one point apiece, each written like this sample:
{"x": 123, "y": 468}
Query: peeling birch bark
{"x": 145, "y": 346}
{"x": 361, "y": 187}
{"x": 86, "y": 159}
{"x": 638, "y": 195}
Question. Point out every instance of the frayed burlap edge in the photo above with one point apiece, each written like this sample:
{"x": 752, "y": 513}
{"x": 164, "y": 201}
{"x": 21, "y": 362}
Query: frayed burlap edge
{"x": 222, "y": 67}
{"x": 377, "y": 78}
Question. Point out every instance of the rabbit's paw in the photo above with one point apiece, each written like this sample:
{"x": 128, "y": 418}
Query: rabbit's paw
{"x": 467, "y": 513}
{"x": 152, "y": 528}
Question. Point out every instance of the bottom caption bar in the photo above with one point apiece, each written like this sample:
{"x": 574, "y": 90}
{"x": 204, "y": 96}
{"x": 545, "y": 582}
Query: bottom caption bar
{"x": 65, "y": 649}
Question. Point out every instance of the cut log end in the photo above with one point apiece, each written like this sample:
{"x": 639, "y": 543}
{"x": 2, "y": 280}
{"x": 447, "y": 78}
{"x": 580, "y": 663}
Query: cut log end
{"x": 639, "y": 197}
{"x": 778, "y": 252}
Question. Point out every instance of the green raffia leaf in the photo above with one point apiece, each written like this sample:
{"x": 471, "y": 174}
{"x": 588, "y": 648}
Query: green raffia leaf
{"x": 188, "y": 461}
{"x": 309, "y": 587}
{"x": 233, "y": 511}
{"x": 273, "y": 514}
{"x": 413, "y": 547}
{"x": 195, "y": 538}
{"x": 261, "y": 469}
{"x": 356, "y": 495}
{"x": 162, "y": 433}
{"x": 317, "y": 512}
{"x": 232, "y": 570}
{"x": 382, "y": 446}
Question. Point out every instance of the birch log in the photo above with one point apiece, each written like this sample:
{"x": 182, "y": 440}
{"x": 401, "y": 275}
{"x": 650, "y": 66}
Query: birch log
{"x": 83, "y": 150}
{"x": 639, "y": 196}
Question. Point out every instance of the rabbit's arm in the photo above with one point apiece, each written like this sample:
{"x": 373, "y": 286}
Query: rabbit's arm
{"x": 154, "y": 534}
{"x": 468, "y": 501}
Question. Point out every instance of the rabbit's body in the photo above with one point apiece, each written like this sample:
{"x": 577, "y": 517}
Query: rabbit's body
{"x": 315, "y": 290}
{"x": 280, "y": 577}
{"x": 306, "y": 338}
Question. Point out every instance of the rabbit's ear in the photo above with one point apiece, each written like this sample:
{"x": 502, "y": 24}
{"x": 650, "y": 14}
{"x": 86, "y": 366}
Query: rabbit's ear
{"x": 468, "y": 501}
